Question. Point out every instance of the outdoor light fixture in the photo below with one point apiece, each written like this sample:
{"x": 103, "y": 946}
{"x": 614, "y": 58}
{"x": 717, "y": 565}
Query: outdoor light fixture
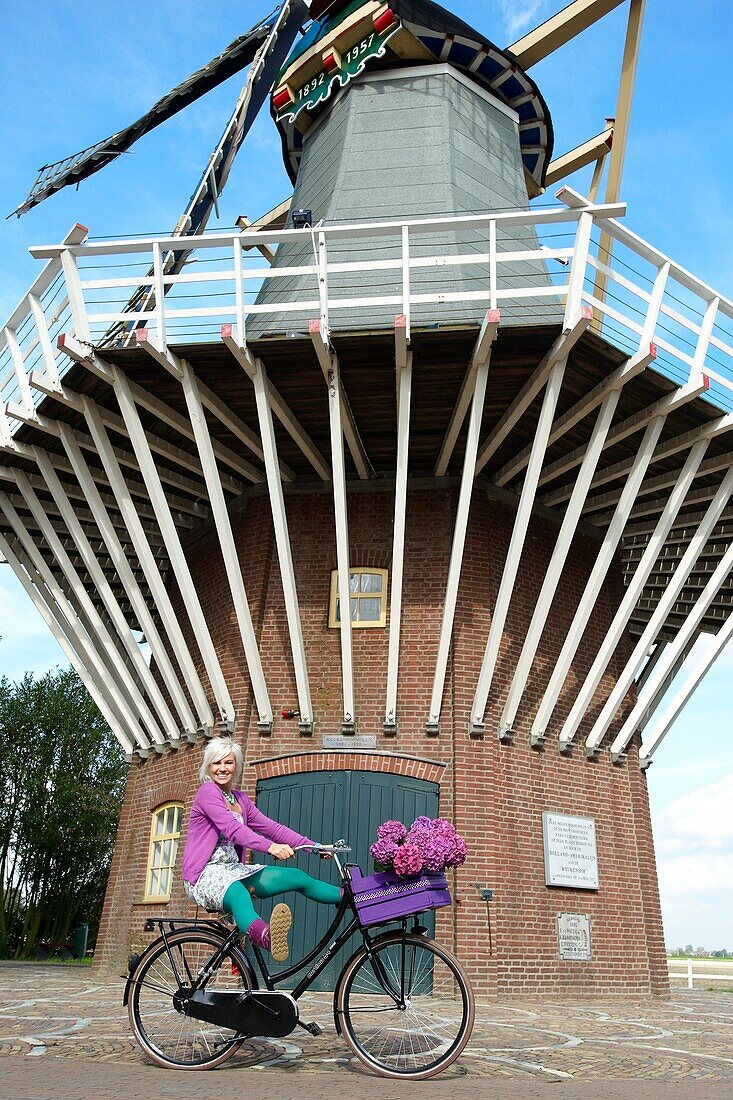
{"x": 302, "y": 219}
{"x": 486, "y": 895}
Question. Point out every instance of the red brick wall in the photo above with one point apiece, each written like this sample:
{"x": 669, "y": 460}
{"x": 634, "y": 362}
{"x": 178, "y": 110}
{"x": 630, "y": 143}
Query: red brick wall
{"x": 495, "y": 792}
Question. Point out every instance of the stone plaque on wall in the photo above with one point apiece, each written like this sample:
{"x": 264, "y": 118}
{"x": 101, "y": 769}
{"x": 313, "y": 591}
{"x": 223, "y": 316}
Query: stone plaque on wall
{"x": 573, "y": 936}
{"x": 351, "y": 743}
{"x": 571, "y": 859}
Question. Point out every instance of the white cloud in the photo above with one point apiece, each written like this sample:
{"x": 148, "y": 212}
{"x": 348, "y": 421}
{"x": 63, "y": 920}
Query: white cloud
{"x": 701, "y": 818}
{"x": 690, "y": 875}
{"x": 519, "y": 17}
{"x": 694, "y": 844}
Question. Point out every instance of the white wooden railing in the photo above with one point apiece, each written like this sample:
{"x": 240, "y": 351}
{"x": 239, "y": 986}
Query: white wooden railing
{"x": 683, "y": 969}
{"x": 86, "y": 286}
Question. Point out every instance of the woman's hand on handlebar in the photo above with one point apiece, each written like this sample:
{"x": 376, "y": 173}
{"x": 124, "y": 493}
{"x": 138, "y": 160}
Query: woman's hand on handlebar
{"x": 280, "y": 851}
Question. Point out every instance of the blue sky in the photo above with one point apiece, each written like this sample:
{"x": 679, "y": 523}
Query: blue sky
{"x": 75, "y": 72}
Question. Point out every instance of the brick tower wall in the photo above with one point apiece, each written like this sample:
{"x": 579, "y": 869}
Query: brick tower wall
{"x": 494, "y": 792}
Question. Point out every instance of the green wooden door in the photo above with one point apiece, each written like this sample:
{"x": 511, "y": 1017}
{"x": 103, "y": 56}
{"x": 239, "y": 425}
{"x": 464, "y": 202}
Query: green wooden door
{"x": 327, "y": 806}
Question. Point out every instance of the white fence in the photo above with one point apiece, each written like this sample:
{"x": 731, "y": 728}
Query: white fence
{"x": 700, "y": 970}
{"x": 87, "y": 285}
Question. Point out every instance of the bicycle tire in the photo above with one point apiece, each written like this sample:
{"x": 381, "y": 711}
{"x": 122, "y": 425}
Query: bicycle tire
{"x": 429, "y": 1033}
{"x": 190, "y": 1044}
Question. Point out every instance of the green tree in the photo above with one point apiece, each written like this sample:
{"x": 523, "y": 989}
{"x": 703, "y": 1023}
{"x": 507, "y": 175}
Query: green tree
{"x": 62, "y": 777}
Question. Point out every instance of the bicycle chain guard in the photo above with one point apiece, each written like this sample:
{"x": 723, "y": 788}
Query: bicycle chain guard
{"x": 263, "y": 1012}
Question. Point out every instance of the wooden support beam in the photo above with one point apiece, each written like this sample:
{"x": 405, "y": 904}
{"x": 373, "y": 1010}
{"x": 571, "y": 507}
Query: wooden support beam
{"x": 664, "y": 606}
{"x": 676, "y": 399}
{"x": 284, "y": 552}
{"x": 119, "y": 722}
{"x": 617, "y": 157}
{"x": 228, "y": 547}
{"x": 595, "y": 581}
{"x": 480, "y": 354}
{"x": 664, "y": 723}
{"x": 531, "y": 389}
{"x": 131, "y": 513}
{"x": 468, "y": 476}
{"x": 561, "y": 28}
{"x": 232, "y": 339}
{"x": 594, "y": 149}
{"x": 329, "y": 364}
{"x": 631, "y": 596}
{"x": 633, "y": 366}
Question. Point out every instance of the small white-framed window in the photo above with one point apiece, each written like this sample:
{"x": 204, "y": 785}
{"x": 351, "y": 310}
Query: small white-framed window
{"x": 368, "y": 597}
{"x": 165, "y": 835}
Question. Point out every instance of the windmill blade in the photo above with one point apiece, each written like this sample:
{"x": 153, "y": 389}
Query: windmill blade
{"x": 269, "y": 60}
{"x": 74, "y": 169}
{"x": 282, "y": 34}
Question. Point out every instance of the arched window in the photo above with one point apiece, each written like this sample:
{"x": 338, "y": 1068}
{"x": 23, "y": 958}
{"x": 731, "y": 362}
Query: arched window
{"x": 368, "y": 594}
{"x": 165, "y": 833}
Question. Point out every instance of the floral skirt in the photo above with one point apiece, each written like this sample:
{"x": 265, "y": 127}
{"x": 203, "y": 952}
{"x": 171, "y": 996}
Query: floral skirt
{"x": 218, "y": 875}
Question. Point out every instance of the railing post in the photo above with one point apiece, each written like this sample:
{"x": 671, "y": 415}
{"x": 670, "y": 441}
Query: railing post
{"x": 493, "y": 288}
{"x": 323, "y": 281}
{"x": 75, "y": 295}
{"x": 406, "y": 278}
{"x": 159, "y": 284}
{"x": 655, "y": 305}
{"x": 577, "y": 270}
{"x": 239, "y": 292}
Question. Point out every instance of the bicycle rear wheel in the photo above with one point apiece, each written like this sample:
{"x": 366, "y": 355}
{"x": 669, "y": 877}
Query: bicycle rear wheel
{"x": 166, "y": 1034}
{"x": 408, "y": 1010}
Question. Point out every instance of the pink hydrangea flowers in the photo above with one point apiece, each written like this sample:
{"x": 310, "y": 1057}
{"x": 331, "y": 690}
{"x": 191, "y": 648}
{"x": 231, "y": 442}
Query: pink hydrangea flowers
{"x": 430, "y": 845}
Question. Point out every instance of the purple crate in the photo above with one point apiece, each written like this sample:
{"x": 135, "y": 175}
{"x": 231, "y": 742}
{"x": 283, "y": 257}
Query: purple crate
{"x": 386, "y": 896}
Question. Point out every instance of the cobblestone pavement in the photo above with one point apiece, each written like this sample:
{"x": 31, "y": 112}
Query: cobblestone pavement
{"x": 56, "y": 1022}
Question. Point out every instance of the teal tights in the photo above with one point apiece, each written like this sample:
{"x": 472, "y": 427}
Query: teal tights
{"x": 269, "y": 882}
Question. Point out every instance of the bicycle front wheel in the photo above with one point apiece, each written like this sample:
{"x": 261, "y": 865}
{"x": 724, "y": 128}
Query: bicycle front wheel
{"x": 160, "y": 983}
{"x": 407, "y": 1010}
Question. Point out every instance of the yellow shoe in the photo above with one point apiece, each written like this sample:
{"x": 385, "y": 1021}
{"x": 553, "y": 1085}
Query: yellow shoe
{"x": 280, "y": 922}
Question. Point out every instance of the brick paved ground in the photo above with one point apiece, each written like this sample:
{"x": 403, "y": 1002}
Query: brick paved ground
{"x": 65, "y": 1033}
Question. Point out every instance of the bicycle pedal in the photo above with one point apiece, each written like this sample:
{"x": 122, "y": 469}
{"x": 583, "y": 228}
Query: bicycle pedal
{"x": 313, "y": 1028}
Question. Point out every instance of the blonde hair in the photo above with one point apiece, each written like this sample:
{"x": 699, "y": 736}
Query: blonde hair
{"x": 216, "y": 749}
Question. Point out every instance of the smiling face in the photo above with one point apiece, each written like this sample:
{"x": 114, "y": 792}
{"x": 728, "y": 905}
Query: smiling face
{"x": 223, "y": 772}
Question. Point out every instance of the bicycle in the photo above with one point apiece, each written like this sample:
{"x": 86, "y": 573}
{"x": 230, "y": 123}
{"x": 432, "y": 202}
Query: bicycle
{"x": 403, "y": 1003}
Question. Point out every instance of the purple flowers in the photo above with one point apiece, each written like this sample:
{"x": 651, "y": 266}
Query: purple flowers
{"x": 392, "y": 830}
{"x": 408, "y": 859}
{"x": 430, "y": 845}
{"x": 384, "y": 851}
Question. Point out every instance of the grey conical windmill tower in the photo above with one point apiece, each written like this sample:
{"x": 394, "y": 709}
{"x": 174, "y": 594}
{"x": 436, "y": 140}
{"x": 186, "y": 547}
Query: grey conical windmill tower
{"x": 405, "y": 391}
{"x": 402, "y": 111}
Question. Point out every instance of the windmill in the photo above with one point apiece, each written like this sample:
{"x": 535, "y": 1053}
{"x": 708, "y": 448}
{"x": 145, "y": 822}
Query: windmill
{"x": 265, "y": 48}
{"x": 408, "y": 410}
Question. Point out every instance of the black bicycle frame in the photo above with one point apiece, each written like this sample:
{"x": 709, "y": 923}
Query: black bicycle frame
{"x": 271, "y": 981}
{"x": 325, "y": 958}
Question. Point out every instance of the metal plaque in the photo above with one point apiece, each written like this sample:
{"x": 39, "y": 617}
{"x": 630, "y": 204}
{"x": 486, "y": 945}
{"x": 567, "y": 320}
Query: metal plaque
{"x": 573, "y": 936}
{"x": 348, "y": 743}
{"x": 571, "y": 858}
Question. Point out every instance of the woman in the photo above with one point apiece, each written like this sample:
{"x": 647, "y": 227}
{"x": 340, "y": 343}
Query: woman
{"x": 223, "y": 823}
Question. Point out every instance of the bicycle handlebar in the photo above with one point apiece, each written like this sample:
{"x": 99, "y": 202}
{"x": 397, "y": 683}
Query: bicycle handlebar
{"x": 337, "y": 847}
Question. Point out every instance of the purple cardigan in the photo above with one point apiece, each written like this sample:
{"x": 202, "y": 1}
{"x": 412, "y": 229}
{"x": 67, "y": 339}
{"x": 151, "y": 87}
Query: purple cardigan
{"x": 211, "y": 817}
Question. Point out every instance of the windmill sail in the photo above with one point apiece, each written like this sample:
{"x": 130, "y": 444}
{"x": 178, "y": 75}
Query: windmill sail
{"x": 269, "y": 59}
{"x": 79, "y": 166}
{"x": 282, "y": 34}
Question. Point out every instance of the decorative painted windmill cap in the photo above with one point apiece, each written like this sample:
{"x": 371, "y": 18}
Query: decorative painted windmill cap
{"x": 349, "y": 36}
